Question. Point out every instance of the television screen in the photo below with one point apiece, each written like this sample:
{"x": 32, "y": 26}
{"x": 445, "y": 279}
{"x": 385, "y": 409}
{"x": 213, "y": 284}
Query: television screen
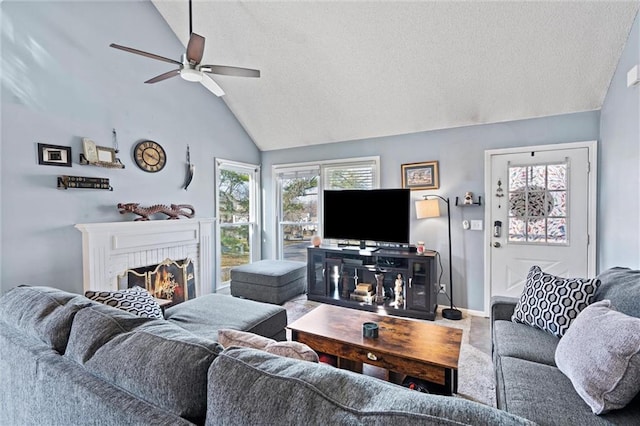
{"x": 379, "y": 215}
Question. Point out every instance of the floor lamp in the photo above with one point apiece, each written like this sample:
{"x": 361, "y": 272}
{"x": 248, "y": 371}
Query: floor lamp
{"x": 430, "y": 207}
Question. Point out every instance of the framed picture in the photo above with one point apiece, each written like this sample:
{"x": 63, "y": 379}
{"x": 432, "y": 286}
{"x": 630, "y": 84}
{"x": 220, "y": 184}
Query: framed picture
{"x": 420, "y": 175}
{"x": 54, "y": 155}
{"x": 106, "y": 155}
{"x": 90, "y": 150}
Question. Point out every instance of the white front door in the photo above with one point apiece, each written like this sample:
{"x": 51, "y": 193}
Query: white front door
{"x": 541, "y": 211}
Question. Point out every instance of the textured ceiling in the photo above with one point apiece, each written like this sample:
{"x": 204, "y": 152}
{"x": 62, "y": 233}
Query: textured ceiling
{"x": 341, "y": 70}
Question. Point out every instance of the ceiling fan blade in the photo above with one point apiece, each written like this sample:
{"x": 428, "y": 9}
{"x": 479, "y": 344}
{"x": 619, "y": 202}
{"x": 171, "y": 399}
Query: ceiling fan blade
{"x": 212, "y": 85}
{"x": 234, "y": 71}
{"x": 147, "y": 54}
{"x": 164, "y": 76}
{"x": 195, "y": 48}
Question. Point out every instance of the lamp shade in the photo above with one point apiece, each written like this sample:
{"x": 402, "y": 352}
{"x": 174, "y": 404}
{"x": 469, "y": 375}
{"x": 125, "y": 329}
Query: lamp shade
{"x": 427, "y": 208}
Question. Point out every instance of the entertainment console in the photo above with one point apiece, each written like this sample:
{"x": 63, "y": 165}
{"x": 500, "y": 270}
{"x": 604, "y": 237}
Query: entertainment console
{"x": 367, "y": 280}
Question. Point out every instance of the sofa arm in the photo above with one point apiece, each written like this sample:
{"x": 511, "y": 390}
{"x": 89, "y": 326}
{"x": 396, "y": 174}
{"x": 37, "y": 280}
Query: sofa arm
{"x": 502, "y": 307}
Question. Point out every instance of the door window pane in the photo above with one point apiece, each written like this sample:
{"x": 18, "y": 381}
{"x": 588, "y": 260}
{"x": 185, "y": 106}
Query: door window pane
{"x": 538, "y": 203}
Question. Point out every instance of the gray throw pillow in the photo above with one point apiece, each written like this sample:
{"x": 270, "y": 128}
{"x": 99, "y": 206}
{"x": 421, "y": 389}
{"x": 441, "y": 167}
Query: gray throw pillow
{"x": 551, "y": 303}
{"x": 600, "y": 354}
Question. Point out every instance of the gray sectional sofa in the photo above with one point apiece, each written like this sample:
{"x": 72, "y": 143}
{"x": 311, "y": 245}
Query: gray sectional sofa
{"x": 528, "y": 382}
{"x": 66, "y": 360}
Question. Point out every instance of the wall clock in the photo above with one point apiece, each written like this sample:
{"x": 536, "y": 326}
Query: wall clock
{"x": 150, "y": 156}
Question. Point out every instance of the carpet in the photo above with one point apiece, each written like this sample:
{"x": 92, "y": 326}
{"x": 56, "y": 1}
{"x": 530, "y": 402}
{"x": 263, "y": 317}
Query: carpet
{"x": 475, "y": 368}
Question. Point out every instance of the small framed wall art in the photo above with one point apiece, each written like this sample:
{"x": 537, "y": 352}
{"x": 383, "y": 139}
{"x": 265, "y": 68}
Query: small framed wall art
{"x": 105, "y": 154}
{"x": 54, "y": 155}
{"x": 420, "y": 175}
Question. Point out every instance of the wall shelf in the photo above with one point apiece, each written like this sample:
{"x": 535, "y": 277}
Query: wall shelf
{"x": 81, "y": 182}
{"x": 111, "y": 165}
{"x": 474, "y": 203}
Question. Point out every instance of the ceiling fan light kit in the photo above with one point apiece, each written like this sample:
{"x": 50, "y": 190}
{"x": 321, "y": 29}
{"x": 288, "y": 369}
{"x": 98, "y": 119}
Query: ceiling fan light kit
{"x": 190, "y": 74}
{"x": 190, "y": 68}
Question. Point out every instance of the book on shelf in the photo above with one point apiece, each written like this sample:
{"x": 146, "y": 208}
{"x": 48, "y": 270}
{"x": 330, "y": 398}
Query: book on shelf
{"x": 65, "y": 182}
{"x": 84, "y": 179}
{"x": 360, "y": 298}
{"x": 362, "y": 292}
{"x": 88, "y": 185}
{"x": 364, "y": 287}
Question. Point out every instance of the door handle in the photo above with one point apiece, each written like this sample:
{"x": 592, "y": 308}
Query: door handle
{"x": 497, "y": 245}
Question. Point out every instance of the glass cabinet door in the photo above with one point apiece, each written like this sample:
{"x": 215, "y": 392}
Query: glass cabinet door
{"x": 417, "y": 295}
{"x": 316, "y": 273}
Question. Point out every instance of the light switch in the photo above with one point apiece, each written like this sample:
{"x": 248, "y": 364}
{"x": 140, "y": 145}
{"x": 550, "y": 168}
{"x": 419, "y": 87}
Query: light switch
{"x": 476, "y": 225}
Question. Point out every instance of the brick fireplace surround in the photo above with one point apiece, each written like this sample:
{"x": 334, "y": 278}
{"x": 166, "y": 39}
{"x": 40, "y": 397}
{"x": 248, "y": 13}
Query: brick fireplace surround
{"x": 109, "y": 249}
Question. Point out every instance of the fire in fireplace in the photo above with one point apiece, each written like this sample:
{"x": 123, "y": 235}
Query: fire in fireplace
{"x": 172, "y": 280}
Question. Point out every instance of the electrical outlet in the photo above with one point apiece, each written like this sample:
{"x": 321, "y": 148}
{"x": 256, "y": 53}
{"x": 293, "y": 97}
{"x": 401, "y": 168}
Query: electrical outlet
{"x": 443, "y": 288}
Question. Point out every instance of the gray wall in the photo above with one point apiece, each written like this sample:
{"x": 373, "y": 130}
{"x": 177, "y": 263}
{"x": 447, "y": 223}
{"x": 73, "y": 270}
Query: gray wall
{"x": 460, "y": 153}
{"x": 619, "y": 190}
{"x": 60, "y": 82}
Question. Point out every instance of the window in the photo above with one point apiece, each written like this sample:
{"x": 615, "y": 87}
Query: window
{"x": 237, "y": 196}
{"x": 538, "y": 204}
{"x": 299, "y": 201}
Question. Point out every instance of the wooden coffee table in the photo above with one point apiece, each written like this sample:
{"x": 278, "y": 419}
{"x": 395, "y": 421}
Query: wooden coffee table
{"x": 403, "y": 347}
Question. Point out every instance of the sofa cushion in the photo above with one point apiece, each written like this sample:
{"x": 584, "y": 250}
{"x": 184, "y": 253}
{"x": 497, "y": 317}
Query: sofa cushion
{"x": 42, "y": 312}
{"x": 297, "y": 350}
{"x": 248, "y": 386}
{"x": 73, "y": 396}
{"x": 543, "y": 394}
{"x": 153, "y": 359}
{"x": 136, "y": 300}
{"x": 206, "y": 314}
{"x": 551, "y": 303}
{"x": 525, "y": 342}
{"x": 98, "y": 326}
{"x": 600, "y": 354}
{"x": 622, "y": 287}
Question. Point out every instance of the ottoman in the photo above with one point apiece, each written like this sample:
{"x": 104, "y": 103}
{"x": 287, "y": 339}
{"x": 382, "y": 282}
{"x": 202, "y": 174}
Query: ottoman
{"x": 271, "y": 281}
{"x": 205, "y": 315}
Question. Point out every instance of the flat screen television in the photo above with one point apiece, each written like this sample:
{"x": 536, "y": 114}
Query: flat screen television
{"x": 378, "y": 215}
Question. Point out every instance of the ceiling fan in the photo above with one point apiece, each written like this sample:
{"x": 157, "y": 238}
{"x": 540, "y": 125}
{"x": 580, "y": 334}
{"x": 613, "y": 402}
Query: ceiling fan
{"x": 190, "y": 68}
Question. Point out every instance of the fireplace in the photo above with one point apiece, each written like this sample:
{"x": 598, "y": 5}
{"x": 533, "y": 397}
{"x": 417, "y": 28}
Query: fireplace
{"x": 110, "y": 249}
{"x": 171, "y": 280}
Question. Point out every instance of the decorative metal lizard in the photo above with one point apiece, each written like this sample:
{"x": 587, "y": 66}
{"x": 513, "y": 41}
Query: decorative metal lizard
{"x": 174, "y": 211}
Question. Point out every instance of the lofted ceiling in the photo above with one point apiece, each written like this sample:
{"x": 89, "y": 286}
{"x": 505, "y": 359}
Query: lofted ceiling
{"x": 334, "y": 71}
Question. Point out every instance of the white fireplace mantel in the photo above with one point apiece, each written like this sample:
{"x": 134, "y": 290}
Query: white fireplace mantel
{"x": 109, "y": 249}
